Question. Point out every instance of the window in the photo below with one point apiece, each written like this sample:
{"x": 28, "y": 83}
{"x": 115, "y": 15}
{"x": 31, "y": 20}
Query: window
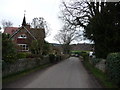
{"x": 22, "y": 36}
{"x": 23, "y": 47}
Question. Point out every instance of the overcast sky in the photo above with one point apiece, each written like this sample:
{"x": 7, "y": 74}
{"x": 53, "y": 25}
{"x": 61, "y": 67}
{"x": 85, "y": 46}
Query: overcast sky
{"x": 13, "y": 10}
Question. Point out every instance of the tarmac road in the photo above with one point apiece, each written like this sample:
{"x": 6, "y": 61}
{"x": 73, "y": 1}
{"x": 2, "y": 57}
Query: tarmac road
{"x": 69, "y": 73}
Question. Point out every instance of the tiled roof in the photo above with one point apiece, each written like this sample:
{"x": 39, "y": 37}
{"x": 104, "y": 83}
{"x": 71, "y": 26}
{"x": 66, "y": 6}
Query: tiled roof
{"x": 36, "y": 33}
{"x": 10, "y": 30}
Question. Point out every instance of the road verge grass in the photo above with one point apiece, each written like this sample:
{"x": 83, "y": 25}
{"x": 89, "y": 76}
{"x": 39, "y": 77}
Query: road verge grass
{"x": 99, "y": 75}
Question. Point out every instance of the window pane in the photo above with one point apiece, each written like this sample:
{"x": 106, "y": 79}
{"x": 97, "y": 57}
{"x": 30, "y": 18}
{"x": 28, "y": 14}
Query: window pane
{"x": 23, "y": 45}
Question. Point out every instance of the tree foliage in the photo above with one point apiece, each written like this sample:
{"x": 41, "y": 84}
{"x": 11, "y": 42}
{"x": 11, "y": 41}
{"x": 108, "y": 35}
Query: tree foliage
{"x": 36, "y": 47}
{"x": 46, "y": 48}
{"x": 40, "y": 48}
{"x": 105, "y": 29}
{"x": 8, "y": 49}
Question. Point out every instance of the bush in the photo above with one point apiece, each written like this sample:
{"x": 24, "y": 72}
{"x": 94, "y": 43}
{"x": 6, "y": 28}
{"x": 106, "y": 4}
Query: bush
{"x": 30, "y": 56}
{"x": 8, "y": 49}
{"x": 85, "y": 55}
{"x": 65, "y": 56}
{"x": 10, "y": 58}
{"x": 113, "y": 67}
{"x": 52, "y": 58}
{"x": 94, "y": 61}
{"x": 34, "y": 56}
{"x": 21, "y": 55}
{"x": 58, "y": 58}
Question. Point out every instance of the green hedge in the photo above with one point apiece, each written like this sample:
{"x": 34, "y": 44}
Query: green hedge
{"x": 85, "y": 55}
{"x": 10, "y": 58}
{"x": 56, "y": 58}
{"x": 52, "y": 58}
{"x": 113, "y": 67}
{"x": 21, "y": 55}
{"x": 28, "y": 55}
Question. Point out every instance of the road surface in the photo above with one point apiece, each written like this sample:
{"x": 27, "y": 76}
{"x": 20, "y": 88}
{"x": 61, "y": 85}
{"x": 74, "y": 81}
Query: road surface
{"x": 69, "y": 73}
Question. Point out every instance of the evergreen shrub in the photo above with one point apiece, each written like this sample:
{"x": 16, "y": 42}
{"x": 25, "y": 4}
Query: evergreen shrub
{"x": 113, "y": 67}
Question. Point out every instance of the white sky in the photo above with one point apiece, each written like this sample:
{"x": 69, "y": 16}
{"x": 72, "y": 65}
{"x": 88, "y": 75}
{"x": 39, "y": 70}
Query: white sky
{"x": 13, "y": 10}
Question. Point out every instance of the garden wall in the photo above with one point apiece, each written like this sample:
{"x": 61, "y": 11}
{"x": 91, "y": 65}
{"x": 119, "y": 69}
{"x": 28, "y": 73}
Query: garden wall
{"x": 27, "y": 63}
{"x": 22, "y": 64}
{"x": 101, "y": 65}
{"x": 98, "y": 63}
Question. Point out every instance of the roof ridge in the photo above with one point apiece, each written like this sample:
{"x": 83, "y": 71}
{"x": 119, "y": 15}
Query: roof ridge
{"x": 25, "y": 29}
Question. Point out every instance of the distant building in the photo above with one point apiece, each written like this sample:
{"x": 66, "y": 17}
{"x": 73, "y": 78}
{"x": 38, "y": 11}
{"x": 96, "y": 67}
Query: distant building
{"x": 82, "y": 47}
{"x": 74, "y": 47}
{"x": 24, "y": 35}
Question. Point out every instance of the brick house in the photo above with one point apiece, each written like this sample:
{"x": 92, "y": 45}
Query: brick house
{"x": 74, "y": 47}
{"x": 24, "y": 35}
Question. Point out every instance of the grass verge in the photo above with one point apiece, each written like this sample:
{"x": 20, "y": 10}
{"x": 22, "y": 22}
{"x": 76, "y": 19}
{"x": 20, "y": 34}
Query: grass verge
{"x": 15, "y": 76}
{"x": 99, "y": 75}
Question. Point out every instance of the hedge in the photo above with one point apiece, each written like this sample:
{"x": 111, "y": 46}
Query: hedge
{"x": 85, "y": 55}
{"x": 52, "y": 58}
{"x": 113, "y": 67}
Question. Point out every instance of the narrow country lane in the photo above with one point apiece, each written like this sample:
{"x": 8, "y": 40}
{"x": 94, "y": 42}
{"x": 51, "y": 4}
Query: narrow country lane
{"x": 69, "y": 73}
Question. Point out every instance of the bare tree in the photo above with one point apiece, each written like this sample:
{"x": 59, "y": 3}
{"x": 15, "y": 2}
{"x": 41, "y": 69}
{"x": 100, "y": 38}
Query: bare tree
{"x": 80, "y": 12}
{"x": 41, "y": 23}
{"x": 74, "y": 17}
{"x": 0, "y": 30}
{"x": 66, "y": 36}
{"x": 75, "y": 12}
{"x": 6, "y": 24}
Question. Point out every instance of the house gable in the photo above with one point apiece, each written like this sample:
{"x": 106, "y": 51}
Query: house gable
{"x": 22, "y": 30}
{"x": 24, "y": 35}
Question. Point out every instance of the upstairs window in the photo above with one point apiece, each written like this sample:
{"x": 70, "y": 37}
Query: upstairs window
{"x": 23, "y": 47}
{"x": 22, "y": 36}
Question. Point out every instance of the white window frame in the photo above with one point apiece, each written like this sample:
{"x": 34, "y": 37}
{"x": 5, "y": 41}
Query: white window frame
{"x": 21, "y": 36}
{"x": 26, "y": 48}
